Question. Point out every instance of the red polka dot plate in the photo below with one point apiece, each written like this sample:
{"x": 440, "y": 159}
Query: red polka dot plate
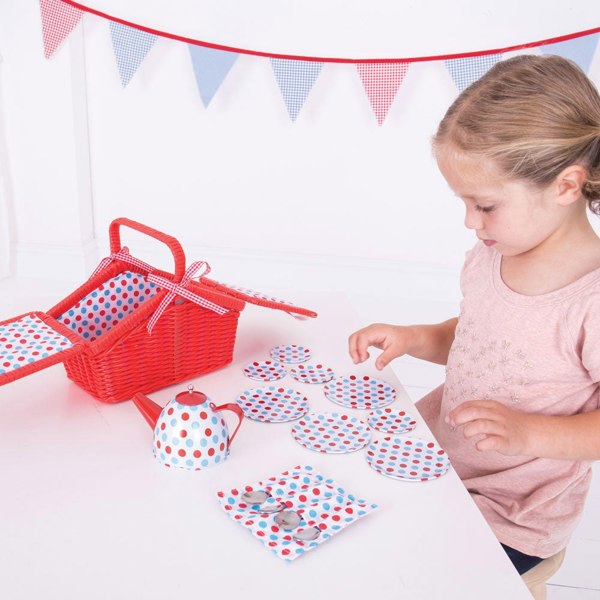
{"x": 272, "y": 404}
{"x": 407, "y": 458}
{"x": 266, "y": 370}
{"x": 390, "y": 420}
{"x": 331, "y": 433}
{"x": 291, "y": 354}
{"x": 354, "y": 391}
{"x": 316, "y": 373}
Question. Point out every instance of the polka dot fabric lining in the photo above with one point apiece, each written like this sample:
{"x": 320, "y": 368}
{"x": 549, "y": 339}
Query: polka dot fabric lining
{"x": 26, "y": 341}
{"x": 320, "y": 502}
{"x": 110, "y": 303}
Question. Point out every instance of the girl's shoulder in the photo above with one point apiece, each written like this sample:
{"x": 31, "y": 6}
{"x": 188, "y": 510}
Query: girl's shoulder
{"x": 477, "y": 256}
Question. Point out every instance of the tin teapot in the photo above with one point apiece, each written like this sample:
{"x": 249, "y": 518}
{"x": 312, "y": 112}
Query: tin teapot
{"x": 189, "y": 432}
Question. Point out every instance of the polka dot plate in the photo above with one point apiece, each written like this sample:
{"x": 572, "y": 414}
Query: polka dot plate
{"x": 266, "y": 370}
{"x": 272, "y": 404}
{"x": 408, "y": 459}
{"x": 316, "y": 373}
{"x": 389, "y": 420}
{"x": 331, "y": 433}
{"x": 290, "y": 354}
{"x": 355, "y": 391}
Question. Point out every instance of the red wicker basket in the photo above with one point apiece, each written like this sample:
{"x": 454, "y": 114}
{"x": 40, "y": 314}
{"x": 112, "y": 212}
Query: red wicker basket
{"x": 132, "y": 328}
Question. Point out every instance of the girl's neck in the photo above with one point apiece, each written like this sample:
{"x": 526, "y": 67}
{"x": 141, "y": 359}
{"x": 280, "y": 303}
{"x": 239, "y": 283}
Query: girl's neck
{"x": 554, "y": 264}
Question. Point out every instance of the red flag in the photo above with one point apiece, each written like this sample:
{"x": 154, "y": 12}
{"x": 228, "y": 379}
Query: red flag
{"x": 58, "y": 20}
{"x": 381, "y": 82}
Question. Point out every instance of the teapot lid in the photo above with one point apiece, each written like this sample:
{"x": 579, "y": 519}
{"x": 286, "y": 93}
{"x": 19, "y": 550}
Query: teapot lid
{"x": 191, "y": 398}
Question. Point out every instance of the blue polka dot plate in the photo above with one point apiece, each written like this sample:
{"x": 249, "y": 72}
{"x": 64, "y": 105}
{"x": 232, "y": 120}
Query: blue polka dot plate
{"x": 290, "y": 354}
{"x": 272, "y": 404}
{"x": 331, "y": 433}
{"x": 266, "y": 370}
{"x": 390, "y": 420}
{"x": 316, "y": 373}
{"x": 407, "y": 458}
{"x": 354, "y": 391}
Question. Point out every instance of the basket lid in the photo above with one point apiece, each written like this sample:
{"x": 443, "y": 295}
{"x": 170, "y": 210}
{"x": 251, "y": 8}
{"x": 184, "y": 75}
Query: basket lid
{"x": 258, "y": 298}
{"x": 32, "y": 342}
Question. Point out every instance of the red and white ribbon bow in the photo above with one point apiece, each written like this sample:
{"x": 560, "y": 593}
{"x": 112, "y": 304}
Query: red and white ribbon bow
{"x": 180, "y": 289}
{"x": 123, "y": 255}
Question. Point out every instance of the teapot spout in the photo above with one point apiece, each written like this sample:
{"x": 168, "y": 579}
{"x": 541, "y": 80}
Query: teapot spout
{"x": 150, "y": 410}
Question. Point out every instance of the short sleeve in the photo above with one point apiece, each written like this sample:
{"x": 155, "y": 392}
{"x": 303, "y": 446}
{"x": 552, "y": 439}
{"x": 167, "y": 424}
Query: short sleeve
{"x": 583, "y": 321}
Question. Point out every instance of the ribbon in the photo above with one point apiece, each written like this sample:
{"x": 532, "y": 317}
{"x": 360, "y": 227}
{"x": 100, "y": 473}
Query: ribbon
{"x": 180, "y": 289}
{"x": 122, "y": 255}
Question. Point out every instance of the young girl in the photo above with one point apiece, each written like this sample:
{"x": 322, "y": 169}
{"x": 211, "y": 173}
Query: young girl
{"x": 518, "y": 413}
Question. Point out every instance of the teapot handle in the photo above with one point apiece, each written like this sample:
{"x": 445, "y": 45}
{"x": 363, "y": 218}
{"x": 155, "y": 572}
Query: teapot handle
{"x": 234, "y": 408}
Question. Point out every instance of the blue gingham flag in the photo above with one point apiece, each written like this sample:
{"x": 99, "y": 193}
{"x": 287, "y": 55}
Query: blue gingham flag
{"x": 295, "y": 79}
{"x": 131, "y": 46}
{"x": 580, "y": 50}
{"x": 210, "y": 68}
{"x": 464, "y": 71}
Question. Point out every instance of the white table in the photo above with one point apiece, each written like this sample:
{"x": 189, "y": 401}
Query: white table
{"x": 86, "y": 512}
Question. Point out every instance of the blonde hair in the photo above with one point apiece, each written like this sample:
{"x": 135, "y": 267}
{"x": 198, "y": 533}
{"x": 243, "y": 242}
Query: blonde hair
{"x": 533, "y": 116}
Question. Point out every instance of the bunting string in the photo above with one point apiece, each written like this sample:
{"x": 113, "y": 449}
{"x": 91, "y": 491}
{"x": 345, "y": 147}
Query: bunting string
{"x": 295, "y": 76}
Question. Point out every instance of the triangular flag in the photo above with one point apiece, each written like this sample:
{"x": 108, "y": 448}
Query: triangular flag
{"x": 580, "y": 50}
{"x": 464, "y": 71}
{"x": 295, "y": 79}
{"x": 131, "y": 46}
{"x": 210, "y": 68}
{"x": 381, "y": 82}
{"x": 58, "y": 20}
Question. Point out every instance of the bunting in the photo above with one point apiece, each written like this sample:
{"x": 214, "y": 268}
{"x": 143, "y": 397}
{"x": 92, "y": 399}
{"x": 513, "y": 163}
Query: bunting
{"x": 381, "y": 82}
{"x": 295, "y": 77}
{"x": 58, "y": 20}
{"x": 464, "y": 71}
{"x": 131, "y": 46}
{"x": 210, "y": 69}
{"x": 580, "y": 50}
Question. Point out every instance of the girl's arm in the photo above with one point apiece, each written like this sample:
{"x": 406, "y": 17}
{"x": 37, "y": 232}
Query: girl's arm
{"x": 428, "y": 342}
{"x": 575, "y": 437}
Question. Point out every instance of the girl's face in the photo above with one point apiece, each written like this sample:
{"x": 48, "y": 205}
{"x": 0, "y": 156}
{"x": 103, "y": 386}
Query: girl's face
{"x": 512, "y": 216}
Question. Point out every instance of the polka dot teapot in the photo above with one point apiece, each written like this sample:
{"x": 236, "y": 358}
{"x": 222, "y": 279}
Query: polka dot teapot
{"x": 189, "y": 432}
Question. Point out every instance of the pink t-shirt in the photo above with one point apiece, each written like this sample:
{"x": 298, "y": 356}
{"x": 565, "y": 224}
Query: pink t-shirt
{"x": 536, "y": 354}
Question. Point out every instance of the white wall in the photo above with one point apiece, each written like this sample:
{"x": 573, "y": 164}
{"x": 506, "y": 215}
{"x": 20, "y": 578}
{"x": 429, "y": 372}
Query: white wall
{"x": 330, "y": 201}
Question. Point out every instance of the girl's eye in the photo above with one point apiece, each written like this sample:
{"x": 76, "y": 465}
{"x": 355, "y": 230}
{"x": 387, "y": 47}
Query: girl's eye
{"x": 484, "y": 209}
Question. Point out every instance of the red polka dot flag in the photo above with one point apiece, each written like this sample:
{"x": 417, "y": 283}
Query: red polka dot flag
{"x": 58, "y": 20}
{"x": 381, "y": 82}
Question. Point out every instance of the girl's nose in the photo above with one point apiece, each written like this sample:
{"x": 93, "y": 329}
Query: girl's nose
{"x": 473, "y": 219}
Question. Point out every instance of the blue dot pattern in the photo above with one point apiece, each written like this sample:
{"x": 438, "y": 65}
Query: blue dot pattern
{"x": 320, "y": 503}
{"x": 389, "y": 420}
{"x": 295, "y": 79}
{"x": 272, "y": 404}
{"x": 266, "y": 370}
{"x": 190, "y": 436}
{"x": 408, "y": 459}
{"x": 102, "y": 309}
{"x": 354, "y": 391}
{"x": 130, "y": 46}
{"x": 28, "y": 340}
{"x": 465, "y": 71}
{"x": 331, "y": 433}
{"x": 316, "y": 373}
{"x": 290, "y": 354}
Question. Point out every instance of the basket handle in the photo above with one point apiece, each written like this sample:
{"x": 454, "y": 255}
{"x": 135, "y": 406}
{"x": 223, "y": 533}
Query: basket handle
{"x": 174, "y": 246}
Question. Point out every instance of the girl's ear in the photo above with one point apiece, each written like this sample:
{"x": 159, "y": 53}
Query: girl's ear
{"x": 569, "y": 184}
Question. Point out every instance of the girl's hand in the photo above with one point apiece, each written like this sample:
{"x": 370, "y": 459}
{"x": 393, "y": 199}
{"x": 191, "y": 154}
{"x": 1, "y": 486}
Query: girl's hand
{"x": 505, "y": 430}
{"x": 394, "y": 340}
